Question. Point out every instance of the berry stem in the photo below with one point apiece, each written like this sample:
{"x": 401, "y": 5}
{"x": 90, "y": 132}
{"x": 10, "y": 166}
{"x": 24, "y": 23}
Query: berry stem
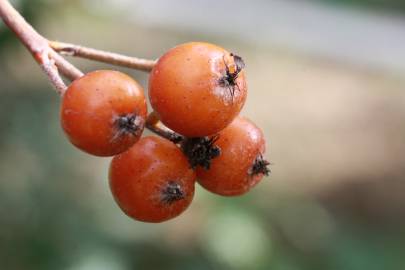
{"x": 102, "y": 56}
{"x": 153, "y": 124}
{"x": 45, "y": 56}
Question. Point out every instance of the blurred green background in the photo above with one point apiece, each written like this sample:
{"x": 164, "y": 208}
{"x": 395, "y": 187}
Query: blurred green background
{"x": 326, "y": 84}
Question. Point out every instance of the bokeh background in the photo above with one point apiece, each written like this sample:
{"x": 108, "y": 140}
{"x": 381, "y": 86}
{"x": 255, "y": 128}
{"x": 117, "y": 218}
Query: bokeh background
{"x": 327, "y": 86}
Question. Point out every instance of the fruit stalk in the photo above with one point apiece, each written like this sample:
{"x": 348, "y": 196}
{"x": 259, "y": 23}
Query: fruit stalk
{"x": 153, "y": 124}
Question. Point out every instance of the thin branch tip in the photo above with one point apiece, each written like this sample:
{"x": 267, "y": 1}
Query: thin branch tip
{"x": 102, "y": 56}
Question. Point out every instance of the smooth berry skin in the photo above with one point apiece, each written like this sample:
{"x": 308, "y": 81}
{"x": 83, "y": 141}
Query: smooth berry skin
{"x": 187, "y": 91}
{"x": 103, "y": 113}
{"x": 230, "y": 173}
{"x": 142, "y": 180}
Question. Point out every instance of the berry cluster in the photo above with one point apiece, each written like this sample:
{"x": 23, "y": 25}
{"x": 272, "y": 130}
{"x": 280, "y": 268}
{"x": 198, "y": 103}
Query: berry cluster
{"x": 197, "y": 91}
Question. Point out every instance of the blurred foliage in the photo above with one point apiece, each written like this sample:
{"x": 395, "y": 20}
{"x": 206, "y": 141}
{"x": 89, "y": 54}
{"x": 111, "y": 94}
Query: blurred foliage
{"x": 393, "y": 5}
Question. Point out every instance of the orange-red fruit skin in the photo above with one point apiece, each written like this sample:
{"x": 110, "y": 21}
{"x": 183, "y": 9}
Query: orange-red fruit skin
{"x": 185, "y": 92}
{"x": 90, "y": 106}
{"x": 241, "y": 142}
{"x": 138, "y": 176}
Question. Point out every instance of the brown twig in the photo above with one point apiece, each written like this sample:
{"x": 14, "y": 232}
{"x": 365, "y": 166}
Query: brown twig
{"x": 102, "y": 56}
{"x": 46, "y": 57}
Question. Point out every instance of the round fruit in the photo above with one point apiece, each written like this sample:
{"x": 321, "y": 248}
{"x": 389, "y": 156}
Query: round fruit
{"x": 240, "y": 166}
{"x": 197, "y": 88}
{"x": 103, "y": 113}
{"x": 152, "y": 181}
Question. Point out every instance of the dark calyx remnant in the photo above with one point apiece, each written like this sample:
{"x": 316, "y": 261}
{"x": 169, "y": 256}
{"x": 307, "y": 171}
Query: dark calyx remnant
{"x": 172, "y": 193}
{"x": 200, "y": 151}
{"x": 229, "y": 78}
{"x": 260, "y": 166}
{"x": 129, "y": 124}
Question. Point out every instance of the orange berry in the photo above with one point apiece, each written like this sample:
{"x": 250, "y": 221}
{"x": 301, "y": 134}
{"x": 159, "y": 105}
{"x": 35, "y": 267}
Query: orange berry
{"x": 103, "y": 113}
{"x": 197, "y": 88}
{"x": 152, "y": 181}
